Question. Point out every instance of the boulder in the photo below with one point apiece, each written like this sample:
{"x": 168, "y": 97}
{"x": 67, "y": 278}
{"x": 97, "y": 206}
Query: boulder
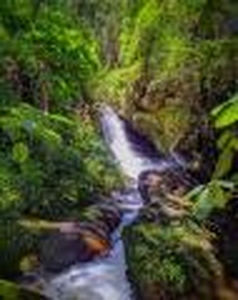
{"x": 74, "y": 242}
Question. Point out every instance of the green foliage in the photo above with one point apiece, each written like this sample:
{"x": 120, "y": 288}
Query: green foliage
{"x": 164, "y": 266}
{"x": 207, "y": 198}
{"x": 226, "y": 114}
{"x": 225, "y": 119}
{"x": 175, "y": 257}
{"x": 182, "y": 53}
{"x": 59, "y": 54}
{"x": 8, "y": 291}
{"x": 56, "y": 54}
{"x": 52, "y": 161}
{"x": 139, "y": 25}
{"x": 112, "y": 86}
{"x": 20, "y": 152}
{"x": 11, "y": 291}
{"x": 15, "y": 243}
{"x": 51, "y": 165}
{"x": 48, "y": 55}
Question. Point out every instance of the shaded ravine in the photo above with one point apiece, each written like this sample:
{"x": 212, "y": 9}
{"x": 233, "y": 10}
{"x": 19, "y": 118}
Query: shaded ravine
{"x": 105, "y": 278}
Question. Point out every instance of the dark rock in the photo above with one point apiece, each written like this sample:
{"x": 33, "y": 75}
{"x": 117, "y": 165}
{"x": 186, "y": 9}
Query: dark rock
{"x": 141, "y": 144}
{"x": 232, "y": 25}
{"x": 224, "y": 223}
{"x": 111, "y": 215}
{"x": 76, "y": 242}
{"x": 160, "y": 183}
{"x": 59, "y": 251}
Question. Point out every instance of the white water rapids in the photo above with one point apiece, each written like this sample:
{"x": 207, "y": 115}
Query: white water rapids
{"x": 105, "y": 278}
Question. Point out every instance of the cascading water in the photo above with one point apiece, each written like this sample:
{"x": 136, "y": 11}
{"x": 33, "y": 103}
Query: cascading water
{"x": 105, "y": 278}
{"x": 132, "y": 162}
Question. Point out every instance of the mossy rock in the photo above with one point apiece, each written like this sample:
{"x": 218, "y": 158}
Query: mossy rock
{"x": 12, "y": 291}
{"x": 165, "y": 126}
{"x": 174, "y": 259}
{"x": 15, "y": 243}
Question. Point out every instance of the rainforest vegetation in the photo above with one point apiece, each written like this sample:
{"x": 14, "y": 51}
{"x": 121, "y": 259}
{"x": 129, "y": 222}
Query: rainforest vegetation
{"x": 168, "y": 67}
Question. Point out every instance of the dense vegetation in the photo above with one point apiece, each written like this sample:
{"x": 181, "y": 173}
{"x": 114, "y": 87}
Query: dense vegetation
{"x": 52, "y": 159}
{"x": 171, "y": 68}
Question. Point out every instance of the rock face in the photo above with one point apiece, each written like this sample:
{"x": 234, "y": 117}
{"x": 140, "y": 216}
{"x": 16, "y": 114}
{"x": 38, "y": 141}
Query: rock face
{"x": 60, "y": 251}
{"x": 153, "y": 183}
{"x": 165, "y": 110}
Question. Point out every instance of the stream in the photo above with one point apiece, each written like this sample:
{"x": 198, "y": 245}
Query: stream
{"x": 105, "y": 278}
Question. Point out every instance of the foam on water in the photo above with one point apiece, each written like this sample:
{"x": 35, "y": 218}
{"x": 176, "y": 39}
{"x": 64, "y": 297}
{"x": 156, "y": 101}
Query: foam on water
{"x": 103, "y": 279}
{"x": 131, "y": 163}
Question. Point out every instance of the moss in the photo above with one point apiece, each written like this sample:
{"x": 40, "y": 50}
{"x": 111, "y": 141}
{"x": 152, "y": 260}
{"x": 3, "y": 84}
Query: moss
{"x": 166, "y": 126}
{"x": 177, "y": 258}
{"x": 11, "y": 291}
{"x": 16, "y": 242}
{"x": 111, "y": 86}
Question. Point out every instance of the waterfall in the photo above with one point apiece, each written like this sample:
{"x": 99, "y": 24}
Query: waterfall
{"x": 132, "y": 156}
{"x": 105, "y": 278}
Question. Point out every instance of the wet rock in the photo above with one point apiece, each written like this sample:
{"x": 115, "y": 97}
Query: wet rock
{"x": 59, "y": 251}
{"x": 164, "y": 194}
{"x": 111, "y": 214}
{"x": 173, "y": 260}
{"x": 198, "y": 148}
{"x": 75, "y": 242}
{"x": 169, "y": 184}
{"x": 141, "y": 143}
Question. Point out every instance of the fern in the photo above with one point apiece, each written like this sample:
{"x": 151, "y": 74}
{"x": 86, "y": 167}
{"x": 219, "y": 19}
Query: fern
{"x": 227, "y": 113}
{"x": 225, "y": 118}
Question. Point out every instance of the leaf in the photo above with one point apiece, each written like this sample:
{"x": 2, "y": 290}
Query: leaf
{"x": 224, "y": 163}
{"x": 192, "y": 195}
{"x": 224, "y": 139}
{"x": 8, "y": 291}
{"x": 20, "y": 152}
{"x": 234, "y": 179}
{"x": 13, "y": 291}
{"x": 234, "y": 143}
{"x": 217, "y": 194}
{"x": 202, "y": 206}
{"x": 226, "y": 185}
{"x": 227, "y": 113}
{"x": 217, "y": 110}
{"x": 212, "y": 197}
{"x": 48, "y": 136}
{"x": 61, "y": 119}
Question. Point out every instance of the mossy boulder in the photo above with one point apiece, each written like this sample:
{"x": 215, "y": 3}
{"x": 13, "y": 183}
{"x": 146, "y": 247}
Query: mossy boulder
{"x": 12, "y": 291}
{"x": 166, "y": 126}
{"x": 173, "y": 261}
{"x": 169, "y": 248}
{"x": 15, "y": 243}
